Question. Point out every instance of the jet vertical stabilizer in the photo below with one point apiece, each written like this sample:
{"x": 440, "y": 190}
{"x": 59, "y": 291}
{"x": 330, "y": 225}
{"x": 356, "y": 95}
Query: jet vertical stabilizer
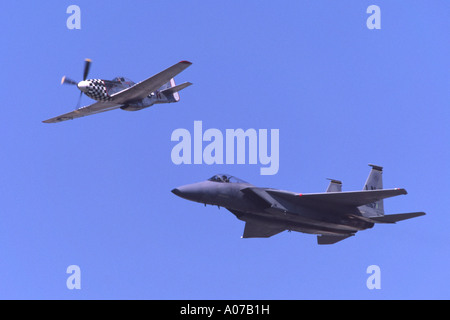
{"x": 374, "y": 182}
{"x": 334, "y": 186}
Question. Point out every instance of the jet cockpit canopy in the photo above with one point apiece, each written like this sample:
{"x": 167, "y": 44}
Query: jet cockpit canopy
{"x": 225, "y": 178}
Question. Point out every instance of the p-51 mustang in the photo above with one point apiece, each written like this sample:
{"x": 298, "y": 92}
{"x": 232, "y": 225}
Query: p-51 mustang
{"x": 332, "y": 215}
{"x": 123, "y": 93}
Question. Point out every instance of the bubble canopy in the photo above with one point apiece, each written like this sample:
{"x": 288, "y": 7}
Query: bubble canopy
{"x": 225, "y": 178}
{"x": 121, "y": 79}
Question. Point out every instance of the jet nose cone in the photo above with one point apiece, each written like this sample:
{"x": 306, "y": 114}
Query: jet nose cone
{"x": 183, "y": 192}
{"x": 83, "y": 85}
{"x": 193, "y": 192}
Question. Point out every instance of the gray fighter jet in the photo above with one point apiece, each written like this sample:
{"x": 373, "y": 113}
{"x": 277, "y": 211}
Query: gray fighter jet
{"x": 332, "y": 215}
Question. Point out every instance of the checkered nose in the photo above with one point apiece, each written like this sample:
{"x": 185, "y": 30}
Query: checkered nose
{"x": 83, "y": 86}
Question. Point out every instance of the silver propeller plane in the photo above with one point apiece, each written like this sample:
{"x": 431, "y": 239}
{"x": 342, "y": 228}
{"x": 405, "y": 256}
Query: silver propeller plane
{"x": 123, "y": 93}
{"x": 333, "y": 215}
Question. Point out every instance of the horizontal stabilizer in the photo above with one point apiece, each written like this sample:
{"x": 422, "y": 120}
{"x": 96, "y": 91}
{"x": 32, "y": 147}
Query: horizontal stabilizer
{"x": 177, "y": 88}
{"x": 393, "y": 218}
{"x": 332, "y": 239}
{"x": 260, "y": 230}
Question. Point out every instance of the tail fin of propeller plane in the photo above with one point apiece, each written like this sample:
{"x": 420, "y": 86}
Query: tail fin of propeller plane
{"x": 170, "y": 90}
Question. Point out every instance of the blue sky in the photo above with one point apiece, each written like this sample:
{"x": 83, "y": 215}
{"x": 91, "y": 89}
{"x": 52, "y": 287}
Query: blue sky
{"x": 95, "y": 192}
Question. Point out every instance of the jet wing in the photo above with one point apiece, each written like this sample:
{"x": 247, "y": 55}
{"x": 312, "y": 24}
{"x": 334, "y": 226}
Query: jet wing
{"x": 350, "y": 199}
{"x": 94, "y": 108}
{"x": 142, "y": 89}
{"x": 260, "y": 230}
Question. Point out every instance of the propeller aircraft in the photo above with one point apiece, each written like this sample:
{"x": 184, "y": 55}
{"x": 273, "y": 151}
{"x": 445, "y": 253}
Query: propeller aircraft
{"x": 123, "y": 93}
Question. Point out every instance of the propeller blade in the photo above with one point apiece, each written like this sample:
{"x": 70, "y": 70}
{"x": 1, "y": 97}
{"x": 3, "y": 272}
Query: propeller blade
{"x": 66, "y": 80}
{"x": 87, "y": 65}
{"x": 79, "y": 100}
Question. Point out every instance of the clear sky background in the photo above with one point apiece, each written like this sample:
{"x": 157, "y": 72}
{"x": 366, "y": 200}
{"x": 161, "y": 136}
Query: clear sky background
{"x": 95, "y": 192}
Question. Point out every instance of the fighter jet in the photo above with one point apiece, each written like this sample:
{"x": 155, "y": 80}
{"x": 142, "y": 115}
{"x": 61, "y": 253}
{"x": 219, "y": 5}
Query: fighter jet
{"x": 333, "y": 215}
{"x": 123, "y": 93}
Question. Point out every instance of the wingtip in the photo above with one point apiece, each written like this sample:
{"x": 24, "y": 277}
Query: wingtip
{"x": 402, "y": 191}
{"x": 186, "y": 62}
